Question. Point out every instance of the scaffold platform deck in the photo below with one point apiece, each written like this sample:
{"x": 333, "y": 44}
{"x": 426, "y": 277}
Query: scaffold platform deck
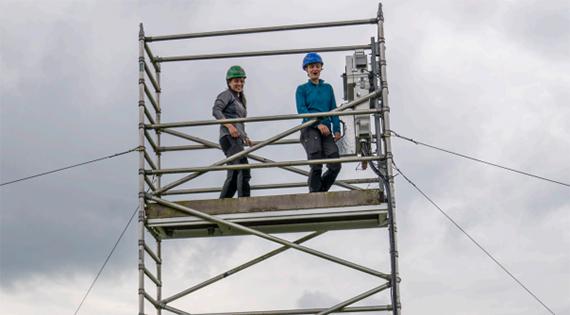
{"x": 338, "y": 210}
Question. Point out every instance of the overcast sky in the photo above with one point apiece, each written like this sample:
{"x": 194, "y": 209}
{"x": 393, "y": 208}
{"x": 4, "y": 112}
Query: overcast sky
{"x": 485, "y": 78}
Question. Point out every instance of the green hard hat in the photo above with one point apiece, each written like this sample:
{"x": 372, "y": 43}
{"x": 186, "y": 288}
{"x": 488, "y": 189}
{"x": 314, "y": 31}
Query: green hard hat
{"x": 235, "y": 72}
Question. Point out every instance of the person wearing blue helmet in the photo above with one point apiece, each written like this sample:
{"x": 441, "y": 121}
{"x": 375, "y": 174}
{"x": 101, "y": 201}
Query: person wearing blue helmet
{"x": 319, "y": 139}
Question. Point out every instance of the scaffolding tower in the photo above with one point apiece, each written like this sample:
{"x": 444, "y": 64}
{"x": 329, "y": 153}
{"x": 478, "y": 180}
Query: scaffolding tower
{"x": 263, "y": 216}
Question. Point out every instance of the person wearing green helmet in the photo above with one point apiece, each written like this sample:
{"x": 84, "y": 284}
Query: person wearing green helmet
{"x": 232, "y": 103}
{"x": 319, "y": 139}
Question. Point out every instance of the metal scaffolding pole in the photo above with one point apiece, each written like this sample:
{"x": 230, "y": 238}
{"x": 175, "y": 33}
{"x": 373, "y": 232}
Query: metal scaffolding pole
{"x": 204, "y": 147}
{"x": 159, "y": 274}
{"x": 203, "y": 169}
{"x": 158, "y": 121}
{"x": 141, "y": 214}
{"x": 354, "y": 299}
{"x": 262, "y": 118}
{"x": 261, "y": 30}
{"x": 150, "y": 55}
{"x": 265, "y": 186}
{"x": 143, "y": 247}
{"x": 389, "y": 177}
{"x": 158, "y": 184}
{"x": 261, "y": 53}
{"x": 305, "y": 311}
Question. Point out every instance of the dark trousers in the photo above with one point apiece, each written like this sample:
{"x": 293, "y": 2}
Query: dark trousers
{"x": 318, "y": 146}
{"x": 236, "y": 179}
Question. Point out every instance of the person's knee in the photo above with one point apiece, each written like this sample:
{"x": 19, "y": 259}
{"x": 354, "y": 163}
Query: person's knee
{"x": 335, "y": 167}
{"x": 316, "y": 156}
{"x": 316, "y": 168}
{"x": 246, "y": 174}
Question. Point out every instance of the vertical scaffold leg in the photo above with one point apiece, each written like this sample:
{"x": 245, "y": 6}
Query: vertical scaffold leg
{"x": 384, "y": 146}
{"x": 141, "y": 225}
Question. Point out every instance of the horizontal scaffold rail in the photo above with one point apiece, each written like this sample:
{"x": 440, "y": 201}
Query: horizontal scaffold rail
{"x": 265, "y": 186}
{"x": 260, "y": 165}
{"x": 265, "y": 29}
{"x": 203, "y": 146}
{"x": 262, "y": 53}
{"x": 354, "y": 309}
{"x": 261, "y": 118}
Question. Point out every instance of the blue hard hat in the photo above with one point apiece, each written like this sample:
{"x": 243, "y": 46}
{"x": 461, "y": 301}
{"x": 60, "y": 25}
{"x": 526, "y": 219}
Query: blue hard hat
{"x": 311, "y": 58}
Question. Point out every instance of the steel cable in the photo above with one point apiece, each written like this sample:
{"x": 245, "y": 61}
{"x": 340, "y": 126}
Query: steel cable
{"x": 473, "y": 240}
{"x": 68, "y": 167}
{"x": 106, "y": 261}
{"x": 108, "y": 257}
{"x": 479, "y": 160}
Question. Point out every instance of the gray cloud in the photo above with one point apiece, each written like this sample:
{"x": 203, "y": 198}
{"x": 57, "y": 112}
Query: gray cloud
{"x": 540, "y": 27}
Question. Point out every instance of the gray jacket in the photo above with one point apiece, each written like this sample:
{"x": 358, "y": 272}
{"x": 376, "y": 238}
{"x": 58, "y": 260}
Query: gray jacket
{"x": 228, "y": 105}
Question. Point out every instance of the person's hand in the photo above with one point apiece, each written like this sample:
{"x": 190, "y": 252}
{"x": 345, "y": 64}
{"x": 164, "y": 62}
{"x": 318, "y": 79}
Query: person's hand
{"x": 248, "y": 142}
{"x": 233, "y": 130}
{"x": 337, "y": 136}
{"x": 324, "y": 130}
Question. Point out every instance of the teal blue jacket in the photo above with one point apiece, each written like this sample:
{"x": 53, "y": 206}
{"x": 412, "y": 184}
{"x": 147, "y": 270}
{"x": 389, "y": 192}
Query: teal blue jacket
{"x": 317, "y": 98}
